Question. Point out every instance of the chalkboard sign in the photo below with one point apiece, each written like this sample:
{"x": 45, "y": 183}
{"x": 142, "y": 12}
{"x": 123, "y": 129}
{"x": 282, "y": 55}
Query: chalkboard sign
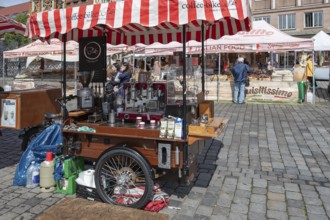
{"x": 92, "y": 56}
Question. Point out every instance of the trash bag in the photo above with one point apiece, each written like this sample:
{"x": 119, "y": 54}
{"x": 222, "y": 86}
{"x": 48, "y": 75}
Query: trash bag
{"x": 50, "y": 140}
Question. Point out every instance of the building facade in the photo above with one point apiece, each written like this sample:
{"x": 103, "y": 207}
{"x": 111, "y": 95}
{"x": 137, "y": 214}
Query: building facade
{"x": 300, "y": 18}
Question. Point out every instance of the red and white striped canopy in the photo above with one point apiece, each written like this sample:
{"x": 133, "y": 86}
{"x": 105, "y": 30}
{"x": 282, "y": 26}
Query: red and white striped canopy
{"x": 8, "y": 25}
{"x": 143, "y": 21}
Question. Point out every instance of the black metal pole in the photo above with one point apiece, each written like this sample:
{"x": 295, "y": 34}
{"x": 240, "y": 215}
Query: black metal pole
{"x": 203, "y": 66}
{"x": 184, "y": 98}
{"x": 64, "y": 111}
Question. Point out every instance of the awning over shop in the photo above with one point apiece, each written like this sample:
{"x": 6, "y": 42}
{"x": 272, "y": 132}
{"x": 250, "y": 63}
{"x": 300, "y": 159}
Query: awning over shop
{"x": 143, "y": 21}
{"x": 8, "y": 25}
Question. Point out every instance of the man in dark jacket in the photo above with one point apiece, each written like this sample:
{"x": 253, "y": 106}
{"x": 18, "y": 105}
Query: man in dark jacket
{"x": 240, "y": 71}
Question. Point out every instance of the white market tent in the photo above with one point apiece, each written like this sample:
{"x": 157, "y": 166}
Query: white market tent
{"x": 262, "y": 38}
{"x": 321, "y": 41}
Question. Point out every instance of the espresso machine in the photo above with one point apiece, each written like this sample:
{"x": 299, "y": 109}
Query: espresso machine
{"x": 85, "y": 94}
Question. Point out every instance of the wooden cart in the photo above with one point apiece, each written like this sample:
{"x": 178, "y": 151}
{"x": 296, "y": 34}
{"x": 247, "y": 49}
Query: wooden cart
{"x": 129, "y": 158}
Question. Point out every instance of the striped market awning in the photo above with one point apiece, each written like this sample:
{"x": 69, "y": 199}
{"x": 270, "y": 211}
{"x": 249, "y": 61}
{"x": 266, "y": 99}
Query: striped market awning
{"x": 143, "y": 21}
{"x": 8, "y": 25}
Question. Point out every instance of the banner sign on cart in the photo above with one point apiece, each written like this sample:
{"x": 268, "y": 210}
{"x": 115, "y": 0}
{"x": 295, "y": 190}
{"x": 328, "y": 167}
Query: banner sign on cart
{"x": 8, "y": 113}
{"x": 92, "y": 55}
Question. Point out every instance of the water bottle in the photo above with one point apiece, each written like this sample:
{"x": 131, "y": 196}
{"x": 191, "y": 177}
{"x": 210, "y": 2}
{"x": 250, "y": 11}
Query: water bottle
{"x": 32, "y": 175}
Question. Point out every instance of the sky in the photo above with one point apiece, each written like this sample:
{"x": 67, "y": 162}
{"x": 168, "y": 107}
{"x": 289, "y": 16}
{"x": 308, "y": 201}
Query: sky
{"x": 6, "y": 3}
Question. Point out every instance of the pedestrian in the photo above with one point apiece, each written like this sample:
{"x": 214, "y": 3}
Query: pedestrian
{"x": 309, "y": 72}
{"x": 240, "y": 71}
{"x": 123, "y": 76}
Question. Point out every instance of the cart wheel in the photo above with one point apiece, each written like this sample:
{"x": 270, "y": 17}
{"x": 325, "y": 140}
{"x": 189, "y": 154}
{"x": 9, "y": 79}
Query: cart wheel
{"x": 123, "y": 177}
{"x": 28, "y": 137}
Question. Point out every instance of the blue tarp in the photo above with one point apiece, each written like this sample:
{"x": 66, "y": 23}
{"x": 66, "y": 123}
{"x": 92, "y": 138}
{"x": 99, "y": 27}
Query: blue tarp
{"x": 50, "y": 140}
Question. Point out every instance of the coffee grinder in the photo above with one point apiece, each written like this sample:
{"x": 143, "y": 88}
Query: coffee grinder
{"x": 85, "y": 95}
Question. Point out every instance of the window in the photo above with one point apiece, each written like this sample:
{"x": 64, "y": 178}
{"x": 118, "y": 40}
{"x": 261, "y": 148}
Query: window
{"x": 313, "y": 19}
{"x": 263, "y": 18}
{"x": 287, "y": 21}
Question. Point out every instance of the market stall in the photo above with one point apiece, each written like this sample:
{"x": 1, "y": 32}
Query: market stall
{"x": 264, "y": 84}
{"x": 129, "y": 156}
{"x": 322, "y": 48}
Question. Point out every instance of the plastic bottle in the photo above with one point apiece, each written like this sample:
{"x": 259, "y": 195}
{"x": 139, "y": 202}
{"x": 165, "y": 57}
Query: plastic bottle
{"x": 47, "y": 181}
{"x": 32, "y": 175}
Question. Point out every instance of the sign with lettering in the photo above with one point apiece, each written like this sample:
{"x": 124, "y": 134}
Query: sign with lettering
{"x": 8, "y": 113}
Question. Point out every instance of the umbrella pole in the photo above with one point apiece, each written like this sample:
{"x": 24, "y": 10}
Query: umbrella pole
{"x": 3, "y": 71}
{"x": 203, "y": 66}
{"x": 64, "y": 112}
{"x": 218, "y": 81}
{"x": 313, "y": 55}
{"x": 184, "y": 109}
{"x": 75, "y": 78}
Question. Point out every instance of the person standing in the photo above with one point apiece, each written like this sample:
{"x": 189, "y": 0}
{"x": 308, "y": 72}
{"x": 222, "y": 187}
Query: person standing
{"x": 240, "y": 71}
{"x": 122, "y": 77}
{"x": 309, "y": 72}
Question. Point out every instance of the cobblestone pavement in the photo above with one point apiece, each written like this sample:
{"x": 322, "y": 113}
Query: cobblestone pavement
{"x": 271, "y": 162}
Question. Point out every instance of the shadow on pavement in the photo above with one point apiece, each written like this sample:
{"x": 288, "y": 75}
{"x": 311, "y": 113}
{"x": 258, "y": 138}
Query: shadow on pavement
{"x": 10, "y": 148}
{"x": 206, "y": 167}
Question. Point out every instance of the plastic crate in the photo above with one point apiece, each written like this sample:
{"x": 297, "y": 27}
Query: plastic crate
{"x": 87, "y": 192}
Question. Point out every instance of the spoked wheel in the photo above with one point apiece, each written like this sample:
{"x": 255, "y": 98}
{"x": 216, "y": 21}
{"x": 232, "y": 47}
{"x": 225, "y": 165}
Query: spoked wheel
{"x": 123, "y": 177}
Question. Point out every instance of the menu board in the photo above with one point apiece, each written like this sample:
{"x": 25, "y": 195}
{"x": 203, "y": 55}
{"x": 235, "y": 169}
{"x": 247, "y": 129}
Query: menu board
{"x": 8, "y": 113}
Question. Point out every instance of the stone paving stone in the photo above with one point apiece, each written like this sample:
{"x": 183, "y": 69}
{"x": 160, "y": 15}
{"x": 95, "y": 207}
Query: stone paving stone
{"x": 218, "y": 217}
{"x": 276, "y": 196}
{"x": 8, "y": 215}
{"x": 239, "y": 208}
{"x": 201, "y": 217}
{"x": 237, "y": 216}
{"x": 312, "y": 201}
{"x": 291, "y": 187}
{"x": 21, "y": 208}
{"x": 27, "y": 195}
{"x": 297, "y": 218}
{"x": 293, "y": 195}
{"x": 218, "y": 210}
{"x": 38, "y": 209}
{"x": 24, "y": 216}
{"x": 312, "y": 216}
{"x": 309, "y": 193}
{"x": 260, "y": 183}
{"x": 258, "y": 208}
{"x": 5, "y": 209}
{"x": 254, "y": 216}
{"x": 298, "y": 212}
{"x": 276, "y": 188}
{"x": 295, "y": 203}
{"x": 256, "y": 198}
{"x": 257, "y": 190}
{"x": 272, "y": 214}
{"x": 10, "y": 196}
{"x": 187, "y": 211}
{"x": 315, "y": 209}
{"x": 183, "y": 217}
{"x": 243, "y": 193}
{"x": 276, "y": 205}
{"x": 16, "y": 202}
{"x": 204, "y": 210}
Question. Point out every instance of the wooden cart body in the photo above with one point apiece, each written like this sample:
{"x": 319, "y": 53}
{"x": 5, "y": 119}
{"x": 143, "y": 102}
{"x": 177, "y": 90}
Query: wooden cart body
{"x": 25, "y": 108}
{"x": 161, "y": 153}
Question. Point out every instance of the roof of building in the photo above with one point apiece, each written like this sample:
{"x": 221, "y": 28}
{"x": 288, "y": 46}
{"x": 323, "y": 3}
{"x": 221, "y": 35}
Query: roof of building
{"x": 15, "y": 9}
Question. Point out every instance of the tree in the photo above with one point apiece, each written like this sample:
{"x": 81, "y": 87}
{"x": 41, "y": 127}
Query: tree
{"x": 13, "y": 41}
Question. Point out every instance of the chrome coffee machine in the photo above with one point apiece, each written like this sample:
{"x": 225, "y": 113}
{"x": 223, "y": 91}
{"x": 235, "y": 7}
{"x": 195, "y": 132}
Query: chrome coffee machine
{"x": 85, "y": 95}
